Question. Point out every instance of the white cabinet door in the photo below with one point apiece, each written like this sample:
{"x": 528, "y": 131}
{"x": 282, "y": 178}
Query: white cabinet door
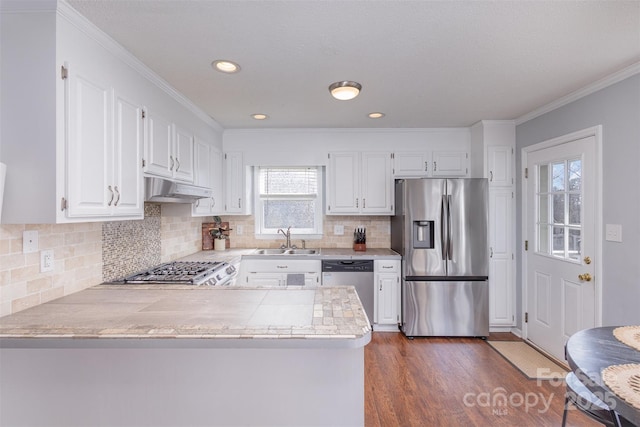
{"x": 236, "y": 200}
{"x": 183, "y": 155}
{"x": 89, "y": 148}
{"x": 376, "y": 188}
{"x": 450, "y": 163}
{"x": 344, "y": 183}
{"x": 127, "y": 167}
{"x": 388, "y": 299}
{"x": 359, "y": 183}
{"x": 159, "y": 146}
{"x": 202, "y": 176}
{"x": 499, "y": 161}
{"x": 217, "y": 182}
{"x": 264, "y": 279}
{"x": 501, "y": 282}
{"x": 411, "y": 164}
{"x": 104, "y": 149}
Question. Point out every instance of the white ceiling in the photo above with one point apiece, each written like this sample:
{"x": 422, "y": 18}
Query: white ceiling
{"x": 422, "y": 63}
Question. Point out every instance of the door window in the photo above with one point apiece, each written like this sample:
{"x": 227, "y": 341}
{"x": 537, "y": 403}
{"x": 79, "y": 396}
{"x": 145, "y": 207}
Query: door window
{"x": 559, "y": 213}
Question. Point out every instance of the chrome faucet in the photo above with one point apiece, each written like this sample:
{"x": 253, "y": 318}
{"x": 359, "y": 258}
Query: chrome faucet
{"x": 287, "y": 236}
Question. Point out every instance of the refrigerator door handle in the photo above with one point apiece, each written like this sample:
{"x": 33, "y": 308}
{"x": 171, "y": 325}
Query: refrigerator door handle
{"x": 449, "y": 238}
{"x": 443, "y": 228}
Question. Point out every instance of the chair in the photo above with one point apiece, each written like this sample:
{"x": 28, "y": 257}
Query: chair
{"x": 588, "y": 403}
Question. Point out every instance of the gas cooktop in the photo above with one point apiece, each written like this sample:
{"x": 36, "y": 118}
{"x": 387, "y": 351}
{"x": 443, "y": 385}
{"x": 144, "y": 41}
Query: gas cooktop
{"x": 211, "y": 273}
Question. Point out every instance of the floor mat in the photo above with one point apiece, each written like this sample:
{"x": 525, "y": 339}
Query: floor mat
{"x": 529, "y": 361}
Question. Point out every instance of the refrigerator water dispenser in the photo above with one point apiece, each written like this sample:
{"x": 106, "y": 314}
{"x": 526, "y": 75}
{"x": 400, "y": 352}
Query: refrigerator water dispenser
{"x": 423, "y": 234}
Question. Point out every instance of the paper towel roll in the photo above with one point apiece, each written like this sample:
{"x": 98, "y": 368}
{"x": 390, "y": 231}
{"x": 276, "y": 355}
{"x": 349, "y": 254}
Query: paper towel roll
{"x": 3, "y": 173}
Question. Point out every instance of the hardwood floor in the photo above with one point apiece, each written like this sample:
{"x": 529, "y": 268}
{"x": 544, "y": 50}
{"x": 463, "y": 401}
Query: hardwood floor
{"x": 455, "y": 382}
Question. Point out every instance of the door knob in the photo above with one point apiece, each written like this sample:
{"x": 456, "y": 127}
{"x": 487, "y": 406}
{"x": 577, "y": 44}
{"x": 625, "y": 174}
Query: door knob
{"x": 587, "y": 260}
{"x": 586, "y": 277}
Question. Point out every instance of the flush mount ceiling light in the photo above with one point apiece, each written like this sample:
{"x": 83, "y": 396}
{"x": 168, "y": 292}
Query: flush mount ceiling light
{"x": 345, "y": 90}
{"x": 260, "y": 116}
{"x": 225, "y": 66}
{"x": 376, "y": 115}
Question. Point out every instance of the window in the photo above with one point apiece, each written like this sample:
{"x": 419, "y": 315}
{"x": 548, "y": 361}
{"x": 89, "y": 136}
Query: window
{"x": 559, "y": 219}
{"x": 289, "y": 197}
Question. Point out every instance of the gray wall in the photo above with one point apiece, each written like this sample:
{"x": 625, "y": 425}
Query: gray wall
{"x": 617, "y": 109}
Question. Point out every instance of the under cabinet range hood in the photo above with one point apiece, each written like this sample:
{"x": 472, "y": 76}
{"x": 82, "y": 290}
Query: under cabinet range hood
{"x": 165, "y": 191}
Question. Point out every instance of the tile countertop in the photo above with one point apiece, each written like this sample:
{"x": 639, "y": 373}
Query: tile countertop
{"x": 228, "y": 317}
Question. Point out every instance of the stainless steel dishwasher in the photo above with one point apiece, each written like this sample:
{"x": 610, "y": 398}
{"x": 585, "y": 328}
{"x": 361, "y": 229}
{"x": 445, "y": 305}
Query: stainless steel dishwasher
{"x": 356, "y": 273}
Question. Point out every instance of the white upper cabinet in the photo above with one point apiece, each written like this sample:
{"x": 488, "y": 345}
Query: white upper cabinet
{"x": 359, "y": 183}
{"x": 104, "y": 148}
{"x": 500, "y": 165}
{"x": 82, "y": 160}
{"x": 237, "y": 185}
{"x": 183, "y": 155}
{"x": 169, "y": 149}
{"x": 425, "y": 164}
{"x": 208, "y": 173}
{"x": 450, "y": 163}
{"x": 412, "y": 164}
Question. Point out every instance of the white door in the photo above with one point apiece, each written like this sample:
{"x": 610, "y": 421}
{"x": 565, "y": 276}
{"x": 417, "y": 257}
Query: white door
{"x": 561, "y": 234}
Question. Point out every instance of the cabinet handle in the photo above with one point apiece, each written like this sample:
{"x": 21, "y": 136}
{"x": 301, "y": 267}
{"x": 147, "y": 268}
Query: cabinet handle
{"x": 381, "y": 285}
{"x": 281, "y": 266}
{"x": 197, "y": 203}
{"x": 491, "y": 252}
{"x": 425, "y": 166}
{"x": 118, "y": 194}
{"x": 112, "y": 195}
{"x": 364, "y": 203}
{"x": 356, "y": 203}
{"x": 435, "y": 166}
{"x": 213, "y": 202}
{"x": 172, "y": 163}
{"x": 177, "y": 164}
{"x": 239, "y": 203}
{"x": 490, "y": 176}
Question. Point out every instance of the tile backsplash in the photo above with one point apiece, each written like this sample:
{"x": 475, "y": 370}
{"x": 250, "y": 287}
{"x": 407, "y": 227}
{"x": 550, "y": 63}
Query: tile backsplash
{"x": 378, "y": 233}
{"x": 77, "y": 253}
{"x": 87, "y": 254}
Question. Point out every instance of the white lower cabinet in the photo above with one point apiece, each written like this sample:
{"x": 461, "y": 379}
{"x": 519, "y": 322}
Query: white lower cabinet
{"x": 278, "y": 272}
{"x": 386, "y": 295}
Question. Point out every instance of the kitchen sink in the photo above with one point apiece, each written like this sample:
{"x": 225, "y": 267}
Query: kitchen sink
{"x": 286, "y": 251}
{"x": 271, "y": 251}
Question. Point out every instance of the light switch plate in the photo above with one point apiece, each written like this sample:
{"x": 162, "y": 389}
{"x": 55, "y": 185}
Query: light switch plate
{"x": 338, "y": 230}
{"x": 29, "y": 241}
{"x": 613, "y": 232}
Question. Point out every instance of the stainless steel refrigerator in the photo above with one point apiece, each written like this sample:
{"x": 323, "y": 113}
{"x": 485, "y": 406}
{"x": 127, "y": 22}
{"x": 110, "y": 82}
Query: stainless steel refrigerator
{"x": 441, "y": 230}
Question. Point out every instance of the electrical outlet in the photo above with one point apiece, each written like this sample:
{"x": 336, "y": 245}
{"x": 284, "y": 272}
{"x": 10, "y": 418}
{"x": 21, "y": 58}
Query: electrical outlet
{"x": 30, "y": 241}
{"x": 46, "y": 261}
{"x": 338, "y": 230}
{"x": 239, "y": 230}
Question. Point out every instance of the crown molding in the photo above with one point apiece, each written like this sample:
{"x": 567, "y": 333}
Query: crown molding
{"x": 609, "y": 80}
{"x": 66, "y": 11}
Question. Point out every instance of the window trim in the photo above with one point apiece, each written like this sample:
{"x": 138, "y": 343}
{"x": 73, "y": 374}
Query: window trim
{"x": 308, "y": 234}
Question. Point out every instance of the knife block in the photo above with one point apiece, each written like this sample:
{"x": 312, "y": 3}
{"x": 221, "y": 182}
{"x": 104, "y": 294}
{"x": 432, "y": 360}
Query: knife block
{"x": 207, "y": 239}
{"x": 360, "y": 247}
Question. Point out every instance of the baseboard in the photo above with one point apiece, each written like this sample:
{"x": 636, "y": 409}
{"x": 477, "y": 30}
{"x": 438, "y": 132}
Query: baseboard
{"x": 386, "y": 328}
{"x": 500, "y": 328}
{"x": 517, "y": 332}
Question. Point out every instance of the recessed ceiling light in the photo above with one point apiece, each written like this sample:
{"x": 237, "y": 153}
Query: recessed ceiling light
{"x": 225, "y": 66}
{"x": 260, "y": 116}
{"x": 376, "y": 115}
{"x": 345, "y": 90}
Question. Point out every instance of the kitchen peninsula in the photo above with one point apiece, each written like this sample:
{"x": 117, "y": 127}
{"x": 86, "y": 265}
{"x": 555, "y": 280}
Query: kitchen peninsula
{"x": 184, "y": 355}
